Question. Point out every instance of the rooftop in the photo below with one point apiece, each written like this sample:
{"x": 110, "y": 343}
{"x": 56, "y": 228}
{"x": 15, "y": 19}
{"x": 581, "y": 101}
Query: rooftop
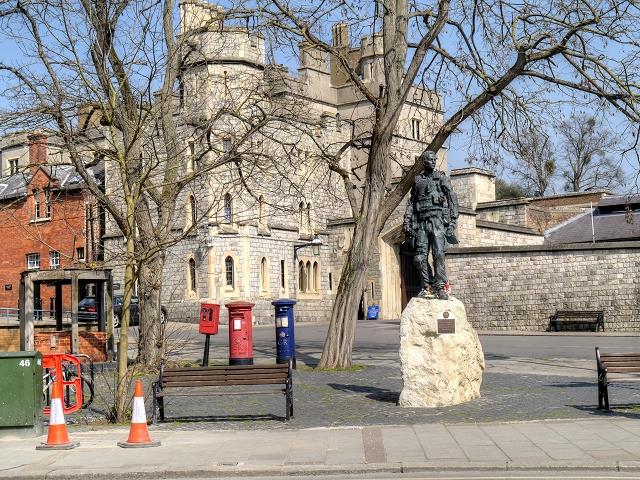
{"x": 616, "y": 218}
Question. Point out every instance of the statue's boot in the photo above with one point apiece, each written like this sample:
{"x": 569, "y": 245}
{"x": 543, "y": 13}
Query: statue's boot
{"x": 442, "y": 295}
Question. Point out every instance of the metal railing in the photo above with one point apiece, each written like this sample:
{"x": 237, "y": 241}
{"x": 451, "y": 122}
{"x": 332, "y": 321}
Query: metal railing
{"x": 10, "y": 316}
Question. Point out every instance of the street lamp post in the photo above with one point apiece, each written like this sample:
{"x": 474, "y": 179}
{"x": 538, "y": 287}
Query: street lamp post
{"x": 315, "y": 243}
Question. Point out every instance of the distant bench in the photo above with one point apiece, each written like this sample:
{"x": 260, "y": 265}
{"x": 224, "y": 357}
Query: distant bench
{"x": 595, "y": 317}
{"x": 618, "y": 363}
{"x": 211, "y": 381}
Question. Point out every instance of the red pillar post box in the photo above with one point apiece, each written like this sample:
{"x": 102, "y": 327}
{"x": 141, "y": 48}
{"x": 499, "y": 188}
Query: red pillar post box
{"x": 240, "y": 333}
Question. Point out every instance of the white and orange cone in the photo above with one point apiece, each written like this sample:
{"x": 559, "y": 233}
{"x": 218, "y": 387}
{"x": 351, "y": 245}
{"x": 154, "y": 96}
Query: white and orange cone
{"x": 57, "y": 437}
{"x": 139, "y": 433}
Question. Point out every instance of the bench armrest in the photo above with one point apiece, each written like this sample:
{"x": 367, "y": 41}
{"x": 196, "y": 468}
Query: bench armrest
{"x": 600, "y": 365}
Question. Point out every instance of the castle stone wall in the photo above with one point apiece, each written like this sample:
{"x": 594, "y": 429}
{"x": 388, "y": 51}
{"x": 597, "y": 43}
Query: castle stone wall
{"x": 518, "y": 288}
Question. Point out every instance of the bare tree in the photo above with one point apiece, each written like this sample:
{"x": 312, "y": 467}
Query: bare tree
{"x": 535, "y": 165}
{"x": 506, "y": 189}
{"x": 109, "y": 79}
{"x": 472, "y": 53}
{"x": 587, "y": 149}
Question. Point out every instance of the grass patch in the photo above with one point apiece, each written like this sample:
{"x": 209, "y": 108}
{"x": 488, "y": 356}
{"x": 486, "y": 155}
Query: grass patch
{"x": 352, "y": 368}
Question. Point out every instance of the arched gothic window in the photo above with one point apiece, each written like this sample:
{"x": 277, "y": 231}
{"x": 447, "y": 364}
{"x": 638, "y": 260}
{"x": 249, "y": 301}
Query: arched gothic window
{"x": 309, "y": 228}
{"x": 316, "y": 277}
{"x": 302, "y": 277}
{"x": 301, "y": 219}
{"x": 194, "y": 211}
{"x": 228, "y": 208}
{"x": 229, "y": 273}
{"x": 264, "y": 274}
{"x": 261, "y": 219}
{"x": 192, "y": 275}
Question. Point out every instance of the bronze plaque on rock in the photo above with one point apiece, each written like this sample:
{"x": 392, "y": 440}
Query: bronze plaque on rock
{"x": 446, "y": 325}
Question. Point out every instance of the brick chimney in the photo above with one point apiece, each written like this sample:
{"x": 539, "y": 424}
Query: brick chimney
{"x": 37, "y": 151}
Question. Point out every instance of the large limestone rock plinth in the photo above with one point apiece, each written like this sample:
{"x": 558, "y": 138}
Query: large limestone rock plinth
{"x": 438, "y": 369}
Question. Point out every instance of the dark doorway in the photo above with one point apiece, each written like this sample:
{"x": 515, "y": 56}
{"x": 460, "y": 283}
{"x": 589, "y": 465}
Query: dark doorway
{"x": 409, "y": 279}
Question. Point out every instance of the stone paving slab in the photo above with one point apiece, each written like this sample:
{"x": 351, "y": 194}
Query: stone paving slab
{"x": 424, "y": 447}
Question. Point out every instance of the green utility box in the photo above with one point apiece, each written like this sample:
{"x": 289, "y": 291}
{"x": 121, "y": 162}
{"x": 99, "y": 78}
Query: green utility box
{"x": 20, "y": 394}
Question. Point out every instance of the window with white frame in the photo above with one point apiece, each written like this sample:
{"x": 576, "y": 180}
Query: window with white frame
{"x": 80, "y": 254}
{"x": 42, "y": 204}
{"x": 415, "y": 129}
{"x": 13, "y": 166}
{"x": 33, "y": 261}
{"x": 54, "y": 260}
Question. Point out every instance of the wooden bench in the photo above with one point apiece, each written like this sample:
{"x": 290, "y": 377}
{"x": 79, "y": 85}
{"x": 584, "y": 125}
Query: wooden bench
{"x": 618, "y": 363}
{"x": 596, "y": 317}
{"x": 211, "y": 381}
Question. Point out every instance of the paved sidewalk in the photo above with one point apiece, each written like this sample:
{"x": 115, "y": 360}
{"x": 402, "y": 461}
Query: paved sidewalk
{"x": 612, "y": 444}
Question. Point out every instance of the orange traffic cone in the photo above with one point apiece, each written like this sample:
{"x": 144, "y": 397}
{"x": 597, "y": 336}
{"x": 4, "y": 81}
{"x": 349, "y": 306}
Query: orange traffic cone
{"x": 139, "y": 434}
{"x": 57, "y": 438}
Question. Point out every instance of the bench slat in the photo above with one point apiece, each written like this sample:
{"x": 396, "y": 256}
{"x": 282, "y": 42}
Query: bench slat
{"x": 575, "y": 320}
{"x": 206, "y": 383}
{"x": 610, "y": 366}
{"x": 256, "y": 373}
{"x": 614, "y": 363}
{"x": 617, "y": 355}
{"x": 223, "y": 378}
{"x": 213, "y": 394}
{"x": 579, "y": 312}
{"x": 226, "y": 380}
{"x": 282, "y": 367}
{"x": 635, "y": 369}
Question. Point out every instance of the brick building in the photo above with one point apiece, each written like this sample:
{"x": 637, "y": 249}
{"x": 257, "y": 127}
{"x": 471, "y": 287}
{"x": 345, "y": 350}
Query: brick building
{"x": 47, "y": 218}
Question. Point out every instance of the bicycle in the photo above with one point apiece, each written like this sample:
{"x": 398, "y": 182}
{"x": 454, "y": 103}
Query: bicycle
{"x": 69, "y": 377}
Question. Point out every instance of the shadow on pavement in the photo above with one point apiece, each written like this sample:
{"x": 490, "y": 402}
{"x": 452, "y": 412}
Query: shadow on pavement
{"x": 221, "y": 418}
{"x": 572, "y": 384}
{"x": 374, "y": 393}
{"x": 617, "y": 411}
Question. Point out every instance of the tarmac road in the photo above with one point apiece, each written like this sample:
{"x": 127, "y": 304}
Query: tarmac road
{"x": 378, "y": 341}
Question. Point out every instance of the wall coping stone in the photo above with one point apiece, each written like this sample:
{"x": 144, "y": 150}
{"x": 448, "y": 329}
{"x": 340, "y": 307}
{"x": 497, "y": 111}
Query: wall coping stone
{"x": 633, "y": 245}
{"x": 507, "y": 227}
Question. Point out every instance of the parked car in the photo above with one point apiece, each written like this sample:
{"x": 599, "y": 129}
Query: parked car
{"x": 88, "y": 311}
{"x": 118, "y": 300}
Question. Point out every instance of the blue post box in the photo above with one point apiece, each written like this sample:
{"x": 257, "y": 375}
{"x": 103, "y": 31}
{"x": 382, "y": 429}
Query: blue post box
{"x": 285, "y": 332}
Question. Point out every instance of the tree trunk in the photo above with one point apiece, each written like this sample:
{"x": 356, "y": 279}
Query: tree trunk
{"x": 151, "y": 332}
{"x": 338, "y": 345}
{"x": 122, "y": 388}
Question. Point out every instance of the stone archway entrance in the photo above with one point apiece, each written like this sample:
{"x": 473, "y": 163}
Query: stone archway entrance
{"x": 400, "y": 280}
{"x": 409, "y": 279}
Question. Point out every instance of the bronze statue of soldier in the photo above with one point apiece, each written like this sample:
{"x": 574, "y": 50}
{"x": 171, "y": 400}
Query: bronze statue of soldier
{"x": 429, "y": 224}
